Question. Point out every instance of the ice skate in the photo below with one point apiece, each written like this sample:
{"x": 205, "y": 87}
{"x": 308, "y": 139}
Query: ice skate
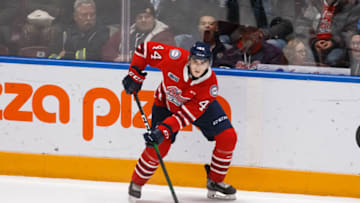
{"x": 219, "y": 190}
{"x": 134, "y": 192}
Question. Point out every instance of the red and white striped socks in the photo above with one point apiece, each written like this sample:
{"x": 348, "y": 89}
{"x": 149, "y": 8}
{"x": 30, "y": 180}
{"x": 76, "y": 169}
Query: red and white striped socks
{"x": 222, "y": 155}
{"x": 148, "y": 163}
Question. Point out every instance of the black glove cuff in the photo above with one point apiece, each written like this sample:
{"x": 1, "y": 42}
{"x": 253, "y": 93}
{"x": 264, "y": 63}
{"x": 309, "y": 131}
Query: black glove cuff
{"x": 169, "y": 128}
{"x": 140, "y": 72}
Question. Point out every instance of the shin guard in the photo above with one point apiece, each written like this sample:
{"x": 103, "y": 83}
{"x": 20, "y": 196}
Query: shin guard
{"x": 148, "y": 163}
{"x": 222, "y": 155}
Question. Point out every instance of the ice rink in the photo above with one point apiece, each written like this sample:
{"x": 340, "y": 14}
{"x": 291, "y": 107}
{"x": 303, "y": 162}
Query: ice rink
{"x": 17, "y": 189}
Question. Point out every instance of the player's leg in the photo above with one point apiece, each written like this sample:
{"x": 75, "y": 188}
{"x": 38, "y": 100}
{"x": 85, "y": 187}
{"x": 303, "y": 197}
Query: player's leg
{"x": 148, "y": 161}
{"x": 220, "y": 163}
{"x": 146, "y": 167}
{"x": 215, "y": 125}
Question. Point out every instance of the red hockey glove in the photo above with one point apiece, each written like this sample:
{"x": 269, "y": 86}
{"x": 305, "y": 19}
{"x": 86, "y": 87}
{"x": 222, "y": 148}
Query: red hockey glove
{"x": 133, "y": 81}
{"x": 157, "y": 135}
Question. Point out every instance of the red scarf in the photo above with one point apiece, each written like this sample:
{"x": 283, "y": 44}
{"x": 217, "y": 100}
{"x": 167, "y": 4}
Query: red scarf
{"x": 324, "y": 29}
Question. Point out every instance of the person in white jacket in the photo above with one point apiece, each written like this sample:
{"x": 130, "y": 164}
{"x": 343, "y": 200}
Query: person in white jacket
{"x": 146, "y": 28}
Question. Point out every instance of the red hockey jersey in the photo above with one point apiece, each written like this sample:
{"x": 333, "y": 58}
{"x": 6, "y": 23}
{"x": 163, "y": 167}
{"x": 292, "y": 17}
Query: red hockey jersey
{"x": 186, "y": 98}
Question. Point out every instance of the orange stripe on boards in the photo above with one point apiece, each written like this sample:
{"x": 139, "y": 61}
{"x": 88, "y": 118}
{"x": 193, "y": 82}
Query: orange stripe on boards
{"x": 291, "y": 181}
{"x": 58, "y": 166}
{"x": 181, "y": 174}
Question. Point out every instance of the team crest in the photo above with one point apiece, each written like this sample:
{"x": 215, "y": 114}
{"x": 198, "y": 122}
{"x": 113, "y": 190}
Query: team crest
{"x": 175, "y": 54}
{"x": 173, "y": 94}
{"x": 173, "y": 77}
{"x": 214, "y": 90}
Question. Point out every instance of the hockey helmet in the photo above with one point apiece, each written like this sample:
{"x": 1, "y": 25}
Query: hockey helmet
{"x": 201, "y": 50}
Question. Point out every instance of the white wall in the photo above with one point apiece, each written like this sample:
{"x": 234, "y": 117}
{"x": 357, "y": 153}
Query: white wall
{"x": 289, "y": 124}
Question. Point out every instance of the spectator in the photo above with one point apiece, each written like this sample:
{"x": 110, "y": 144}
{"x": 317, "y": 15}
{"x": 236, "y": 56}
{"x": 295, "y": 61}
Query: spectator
{"x": 108, "y": 12}
{"x": 182, "y": 15}
{"x": 327, "y": 43}
{"x": 84, "y": 39}
{"x": 297, "y": 53}
{"x": 324, "y": 43}
{"x": 281, "y": 30}
{"x": 249, "y": 50}
{"x": 38, "y": 30}
{"x": 209, "y": 32}
{"x": 355, "y": 54}
{"x": 52, "y": 7}
{"x": 207, "y": 24}
{"x": 146, "y": 28}
{"x": 40, "y": 22}
{"x": 216, "y": 33}
{"x": 212, "y": 31}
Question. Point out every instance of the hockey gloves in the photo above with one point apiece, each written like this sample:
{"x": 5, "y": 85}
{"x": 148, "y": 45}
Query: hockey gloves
{"x": 157, "y": 135}
{"x": 133, "y": 81}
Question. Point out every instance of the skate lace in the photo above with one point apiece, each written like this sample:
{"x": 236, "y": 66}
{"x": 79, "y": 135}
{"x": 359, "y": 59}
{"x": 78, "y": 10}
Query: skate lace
{"x": 223, "y": 185}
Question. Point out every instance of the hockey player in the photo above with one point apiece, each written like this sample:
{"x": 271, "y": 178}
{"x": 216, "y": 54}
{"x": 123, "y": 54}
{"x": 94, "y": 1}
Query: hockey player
{"x": 187, "y": 94}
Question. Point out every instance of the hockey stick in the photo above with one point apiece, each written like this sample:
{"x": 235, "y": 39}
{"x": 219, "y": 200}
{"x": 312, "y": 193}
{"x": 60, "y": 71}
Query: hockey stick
{"x": 156, "y": 149}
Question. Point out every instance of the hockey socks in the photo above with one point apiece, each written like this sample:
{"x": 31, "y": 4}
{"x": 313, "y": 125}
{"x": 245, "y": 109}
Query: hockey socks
{"x": 148, "y": 163}
{"x": 144, "y": 169}
{"x": 220, "y": 163}
{"x": 222, "y": 155}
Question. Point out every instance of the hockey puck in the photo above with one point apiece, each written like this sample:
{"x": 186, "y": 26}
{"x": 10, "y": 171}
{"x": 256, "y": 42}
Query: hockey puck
{"x": 358, "y": 136}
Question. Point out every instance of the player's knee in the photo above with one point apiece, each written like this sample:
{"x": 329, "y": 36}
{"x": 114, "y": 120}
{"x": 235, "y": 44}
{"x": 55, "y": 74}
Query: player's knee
{"x": 163, "y": 149}
{"x": 226, "y": 140}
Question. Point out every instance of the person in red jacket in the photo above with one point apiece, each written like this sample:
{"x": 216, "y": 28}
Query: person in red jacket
{"x": 187, "y": 94}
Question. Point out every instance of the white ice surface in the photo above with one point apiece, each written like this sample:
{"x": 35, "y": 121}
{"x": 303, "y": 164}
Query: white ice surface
{"x": 17, "y": 189}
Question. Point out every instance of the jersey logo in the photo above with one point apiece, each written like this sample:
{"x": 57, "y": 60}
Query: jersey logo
{"x": 173, "y": 95}
{"x": 158, "y": 47}
{"x": 173, "y": 77}
{"x": 174, "y": 54}
{"x": 214, "y": 90}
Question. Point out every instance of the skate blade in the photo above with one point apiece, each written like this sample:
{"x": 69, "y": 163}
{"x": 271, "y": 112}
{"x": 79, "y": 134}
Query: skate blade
{"x": 219, "y": 196}
{"x": 132, "y": 199}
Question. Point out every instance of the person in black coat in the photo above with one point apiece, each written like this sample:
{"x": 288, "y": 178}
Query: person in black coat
{"x": 84, "y": 39}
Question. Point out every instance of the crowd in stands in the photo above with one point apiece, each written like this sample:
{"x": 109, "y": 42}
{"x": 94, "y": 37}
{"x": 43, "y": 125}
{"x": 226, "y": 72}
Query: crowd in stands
{"x": 242, "y": 33}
